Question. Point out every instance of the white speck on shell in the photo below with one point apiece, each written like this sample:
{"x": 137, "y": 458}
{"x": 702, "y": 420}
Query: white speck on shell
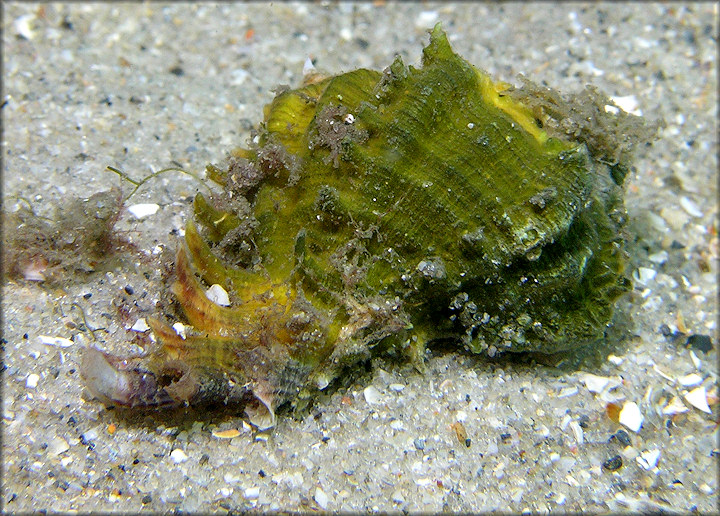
{"x": 631, "y": 417}
{"x": 218, "y": 295}
{"x": 179, "y": 329}
{"x": 140, "y": 211}
{"x": 698, "y": 399}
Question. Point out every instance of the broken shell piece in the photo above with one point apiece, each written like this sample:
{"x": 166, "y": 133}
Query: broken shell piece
{"x": 61, "y": 342}
{"x": 593, "y": 382}
{"x": 226, "y": 434}
{"x": 690, "y": 380}
{"x": 630, "y": 416}
{"x": 698, "y": 399}
{"x": 648, "y": 459}
{"x": 140, "y": 211}
{"x": 140, "y": 325}
{"x": 674, "y": 407}
{"x": 260, "y": 411}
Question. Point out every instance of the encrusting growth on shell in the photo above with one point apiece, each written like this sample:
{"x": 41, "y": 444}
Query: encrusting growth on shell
{"x": 378, "y": 211}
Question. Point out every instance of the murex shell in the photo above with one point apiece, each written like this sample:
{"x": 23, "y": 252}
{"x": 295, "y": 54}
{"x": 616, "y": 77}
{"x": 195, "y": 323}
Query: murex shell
{"x": 373, "y": 213}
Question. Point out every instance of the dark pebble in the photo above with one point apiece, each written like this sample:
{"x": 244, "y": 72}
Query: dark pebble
{"x": 613, "y": 463}
{"x": 88, "y": 295}
{"x": 261, "y": 474}
{"x": 677, "y": 245}
{"x": 504, "y": 437}
{"x": 700, "y": 342}
{"x": 146, "y": 499}
{"x": 129, "y": 290}
{"x": 665, "y": 330}
{"x": 584, "y": 421}
{"x": 622, "y": 437}
{"x": 419, "y": 444}
{"x": 468, "y": 442}
{"x": 176, "y": 70}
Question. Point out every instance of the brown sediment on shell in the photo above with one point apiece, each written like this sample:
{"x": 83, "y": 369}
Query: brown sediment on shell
{"x": 379, "y": 211}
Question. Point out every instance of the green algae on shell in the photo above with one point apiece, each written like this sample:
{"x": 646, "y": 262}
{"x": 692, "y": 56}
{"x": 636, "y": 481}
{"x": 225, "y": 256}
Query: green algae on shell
{"x": 374, "y": 213}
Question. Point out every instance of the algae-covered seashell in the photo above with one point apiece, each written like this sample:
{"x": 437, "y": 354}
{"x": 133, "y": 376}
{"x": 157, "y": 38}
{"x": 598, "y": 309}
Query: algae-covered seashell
{"x": 375, "y": 212}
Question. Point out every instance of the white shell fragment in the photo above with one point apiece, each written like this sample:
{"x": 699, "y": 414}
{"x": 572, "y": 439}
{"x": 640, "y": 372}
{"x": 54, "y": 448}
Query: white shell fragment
{"x": 179, "y": 329}
{"x": 218, "y": 295}
{"x": 372, "y": 395}
{"x": 593, "y": 382}
{"x": 140, "y": 211}
{"x": 674, "y": 407}
{"x": 644, "y": 275}
{"x": 648, "y": 459}
{"x": 32, "y": 381}
{"x": 698, "y": 399}
{"x": 690, "y": 380}
{"x": 61, "y": 342}
{"x": 631, "y": 417}
{"x": 690, "y": 207}
{"x": 140, "y": 325}
{"x": 251, "y": 493}
{"x": 321, "y": 498}
{"x": 178, "y": 456}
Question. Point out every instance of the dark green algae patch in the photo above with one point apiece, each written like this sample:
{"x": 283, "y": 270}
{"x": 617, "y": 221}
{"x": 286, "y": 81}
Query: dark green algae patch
{"x": 376, "y": 212}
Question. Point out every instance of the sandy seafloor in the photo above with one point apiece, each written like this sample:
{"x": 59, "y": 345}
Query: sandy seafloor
{"x": 143, "y": 86}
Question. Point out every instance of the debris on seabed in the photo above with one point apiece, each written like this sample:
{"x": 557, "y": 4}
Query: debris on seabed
{"x": 178, "y": 456}
{"x": 32, "y": 381}
{"x": 372, "y": 395}
{"x": 321, "y": 498}
{"x": 690, "y": 380}
{"x": 698, "y": 399}
{"x": 613, "y": 463}
{"x": 140, "y": 211}
{"x": 140, "y": 325}
{"x": 675, "y": 406}
{"x": 60, "y": 342}
{"x": 630, "y": 416}
{"x": 226, "y": 434}
{"x": 648, "y": 459}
